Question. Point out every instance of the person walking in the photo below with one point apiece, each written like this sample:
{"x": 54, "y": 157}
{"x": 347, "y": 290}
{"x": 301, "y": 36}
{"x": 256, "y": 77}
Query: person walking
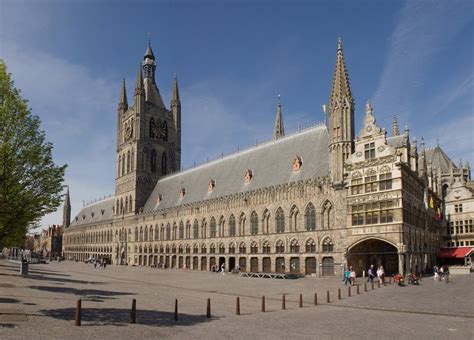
{"x": 347, "y": 274}
{"x": 223, "y": 269}
{"x": 352, "y": 277}
{"x": 370, "y": 274}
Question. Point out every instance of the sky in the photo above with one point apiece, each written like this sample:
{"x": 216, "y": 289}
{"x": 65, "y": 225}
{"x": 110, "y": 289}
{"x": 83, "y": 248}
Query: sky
{"x": 233, "y": 58}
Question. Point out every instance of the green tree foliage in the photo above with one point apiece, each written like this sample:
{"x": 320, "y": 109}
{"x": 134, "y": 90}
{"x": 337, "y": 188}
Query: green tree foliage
{"x": 30, "y": 182}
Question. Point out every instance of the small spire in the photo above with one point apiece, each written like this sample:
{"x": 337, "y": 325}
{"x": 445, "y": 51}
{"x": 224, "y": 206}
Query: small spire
{"x": 279, "y": 130}
{"x": 149, "y": 51}
{"x": 395, "y": 131}
{"x": 139, "y": 90}
{"x": 175, "y": 100}
{"x": 67, "y": 209}
{"x": 368, "y": 107}
{"x": 339, "y": 44}
{"x": 123, "y": 102}
{"x": 340, "y": 85}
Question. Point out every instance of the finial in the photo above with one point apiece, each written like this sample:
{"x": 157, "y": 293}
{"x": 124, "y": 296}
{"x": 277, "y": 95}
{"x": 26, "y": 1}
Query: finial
{"x": 368, "y": 107}
{"x": 149, "y": 38}
{"x": 437, "y": 141}
{"x": 175, "y": 76}
{"x": 278, "y": 100}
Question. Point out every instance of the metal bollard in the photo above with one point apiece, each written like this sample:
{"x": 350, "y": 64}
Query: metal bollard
{"x": 133, "y": 312}
{"x": 358, "y": 292}
{"x": 78, "y": 312}
{"x": 390, "y": 280}
{"x": 263, "y": 303}
{"x": 372, "y": 285}
{"x": 349, "y": 291}
{"x": 365, "y": 286}
{"x": 208, "y": 309}
{"x": 339, "y": 293}
{"x": 378, "y": 284}
{"x": 237, "y": 306}
{"x": 176, "y": 310}
{"x": 327, "y": 298}
{"x": 283, "y": 302}
{"x": 315, "y": 299}
{"x": 301, "y": 300}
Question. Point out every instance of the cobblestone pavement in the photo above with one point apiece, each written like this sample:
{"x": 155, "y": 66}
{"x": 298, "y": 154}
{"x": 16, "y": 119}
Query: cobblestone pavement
{"x": 42, "y": 306}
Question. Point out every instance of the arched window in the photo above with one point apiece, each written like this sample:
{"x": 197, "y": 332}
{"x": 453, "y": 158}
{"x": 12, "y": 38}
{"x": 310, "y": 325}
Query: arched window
{"x": 328, "y": 245}
{"x": 265, "y": 221}
{"x": 195, "y": 229}
{"x": 128, "y": 161}
{"x": 175, "y": 231}
{"x": 123, "y": 164}
{"x": 213, "y": 227}
{"x": 310, "y": 246}
{"x": 326, "y": 215}
{"x": 130, "y": 203}
{"x": 126, "y": 204}
{"x": 141, "y": 233}
{"x": 294, "y": 246}
{"x": 242, "y": 248}
{"x": 266, "y": 247}
{"x": 204, "y": 228}
{"x": 203, "y": 249}
{"x": 232, "y": 225}
{"x": 152, "y": 128}
{"x": 168, "y": 231}
{"x": 212, "y": 248}
{"x": 181, "y": 230}
{"x": 254, "y": 248}
{"x": 153, "y": 160}
{"x": 146, "y": 233}
{"x": 157, "y": 233}
{"x": 280, "y": 247}
{"x": 310, "y": 217}
{"x": 132, "y": 161}
{"x": 121, "y": 205}
{"x": 221, "y": 248}
{"x": 195, "y": 249}
{"x": 242, "y": 220}
{"x": 188, "y": 230}
{"x": 280, "y": 220}
{"x": 231, "y": 248}
{"x": 164, "y": 131}
{"x": 294, "y": 211}
{"x": 163, "y": 163}
{"x": 254, "y": 223}
{"x": 180, "y": 249}
{"x": 117, "y": 209}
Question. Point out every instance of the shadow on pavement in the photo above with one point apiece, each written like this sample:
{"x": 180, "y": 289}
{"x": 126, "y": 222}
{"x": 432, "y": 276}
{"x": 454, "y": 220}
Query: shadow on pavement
{"x": 55, "y": 279}
{"x": 101, "y": 294}
{"x": 120, "y": 317}
{"x": 8, "y": 300}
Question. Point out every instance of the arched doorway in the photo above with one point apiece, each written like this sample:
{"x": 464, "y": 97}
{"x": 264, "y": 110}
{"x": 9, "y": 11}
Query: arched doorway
{"x": 254, "y": 265}
{"x": 373, "y": 252}
{"x": 267, "y": 265}
{"x": 243, "y": 264}
{"x": 295, "y": 265}
{"x": 310, "y": 265}
{"x": 280, "y": 265}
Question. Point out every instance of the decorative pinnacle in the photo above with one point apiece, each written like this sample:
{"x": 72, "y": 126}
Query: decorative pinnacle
{"x": 339, "y": 44}
{"x": 368, "y": 107}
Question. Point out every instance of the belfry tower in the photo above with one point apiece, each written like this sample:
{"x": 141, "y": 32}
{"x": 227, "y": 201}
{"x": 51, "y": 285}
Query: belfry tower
{"x": 148, "y": 139}
{"x": 341, "y": 119}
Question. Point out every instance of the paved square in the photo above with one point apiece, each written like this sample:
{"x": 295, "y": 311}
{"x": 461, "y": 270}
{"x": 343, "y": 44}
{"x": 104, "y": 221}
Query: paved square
{"x": 42, "y": 305}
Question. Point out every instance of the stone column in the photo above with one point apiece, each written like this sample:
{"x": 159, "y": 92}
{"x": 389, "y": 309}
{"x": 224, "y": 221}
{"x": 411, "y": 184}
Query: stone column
{"x": 400, "y": 262}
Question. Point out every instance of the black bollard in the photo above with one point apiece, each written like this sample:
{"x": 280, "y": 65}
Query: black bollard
{"x": 283, "y": 302}
{"x": 133, "y": 312}
{"x": 327, "y": 298}
{"x": 372, "y": 285}
{"x": 378, "y": 284}
{"x": 208, "y": 310}
{"x": 263, "y": 303}
{"x": 339, "y": 293}
{"x": 365, "y": 286}
{"x": 315, "y": 299}
{"x": 358, "y": 292}
{"x": 301, "y": 300}
{"x": 237, "y": 306}
{"x": 78, "y": 312}
{"x": 349, "y": 291}
{"x": 176, "y": 310}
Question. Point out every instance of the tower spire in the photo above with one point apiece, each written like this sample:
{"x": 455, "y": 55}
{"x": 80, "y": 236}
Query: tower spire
{"x": 340, "y": 85}
{"x": 279, "y": 130}
{"x": 395, "y": 131}
{"x": 123, "y": 102}
{"x": 175, "y": 98}
{"x": 67, "y": 209}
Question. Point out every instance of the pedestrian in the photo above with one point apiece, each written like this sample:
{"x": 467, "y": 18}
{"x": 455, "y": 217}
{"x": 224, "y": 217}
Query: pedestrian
{"x": 352, "y": 277}
{"x": 95, "y": 264}
{"x": 370, "y": 274}
{"x": 105, "y": 264}
{"x": 435, "y": 272}
{"x": 380, "y": 274}
{"x": 347, "y": 274}
{"x": 223, "y": 268}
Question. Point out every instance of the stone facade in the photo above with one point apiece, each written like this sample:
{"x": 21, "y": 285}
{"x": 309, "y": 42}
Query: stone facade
{"x": 308, "y": 203}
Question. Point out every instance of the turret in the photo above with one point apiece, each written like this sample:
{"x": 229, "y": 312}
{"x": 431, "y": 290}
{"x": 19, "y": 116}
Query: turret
{"x": 176, "y": 108}
{"x": 414, "y": 156}
{"x": 122, "y": 108}
{"x": 279, "y": 130}
{"x": 67, "y": 210}
{"x": 341, "y": 118}
{"x": 395, "y": 131}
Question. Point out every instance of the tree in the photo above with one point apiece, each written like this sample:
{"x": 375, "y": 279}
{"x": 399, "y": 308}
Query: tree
{"x": 30, "y": 182}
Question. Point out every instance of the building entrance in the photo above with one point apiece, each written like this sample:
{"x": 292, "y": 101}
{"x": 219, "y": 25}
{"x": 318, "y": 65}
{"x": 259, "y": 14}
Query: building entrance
{"x": 373, "y": 252}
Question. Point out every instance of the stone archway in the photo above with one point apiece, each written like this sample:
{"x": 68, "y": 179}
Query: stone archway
{"x": 373, "y": 251}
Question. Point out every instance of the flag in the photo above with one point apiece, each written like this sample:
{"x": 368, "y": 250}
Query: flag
{"x": 431, "y": 202}
{"x": 425, "y": 199}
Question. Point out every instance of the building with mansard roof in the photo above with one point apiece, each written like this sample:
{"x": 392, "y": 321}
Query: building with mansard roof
{"x": 310, "y": 202}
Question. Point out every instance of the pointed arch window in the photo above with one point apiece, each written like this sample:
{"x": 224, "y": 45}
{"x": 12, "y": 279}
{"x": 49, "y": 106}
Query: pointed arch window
{"x": 266, "y": 249}
{"x": 265, "y": 221}
{"x": 123, "y": 164}
{"x": 132, "y": 160}
{"x": 221, "y": 248}
{"x": 213, "y": 227}
{"x": 141, "y": 233}
{"x": 119, "y": 165}
{"x": 128, "y": 161}
{"x": 280, "y": 247}
{"x": 310, "y": 246}
{"x": 212, "y": 248}
{"x": 164, "y": 163}
{"x": 203, "y": 249}
{"x": 153, "y": 161}
{"x": 326, "y": 215}
{"x": 294, "y": 246}
{"x": 254, "y": 223}
{"x": 152, "y": 128}
{"x": 130, "y": 203}
{"x": 126, "y": 204}
{"x": 195, "y": 229}
{"x": 181, "y": 230}
{"x": 146, "y": 234}
{"x": 157, "y": 233}
{"x": 242, "y": 248}
{"x": 232, "y": 225}
{"x": 253, "y": 248}
{"x": 188, "y": 230}
{"x": 231, "y": 248}
{"x": 328, "y": 246}
{"x": 280, "y": 220}
{"x": 195, "y": 249}
{"x": 168, "y": 231}
{"x": 310, "y": 217}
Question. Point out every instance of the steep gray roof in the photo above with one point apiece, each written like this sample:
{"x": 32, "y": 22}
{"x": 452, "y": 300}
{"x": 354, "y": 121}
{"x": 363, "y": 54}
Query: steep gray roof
{"x": 439, "y": 159}
{"x": 396, "y": 141}
{"x": 152, "y": 94}
{"x": 96, "y": 212}
{"x": 270, "y": 163}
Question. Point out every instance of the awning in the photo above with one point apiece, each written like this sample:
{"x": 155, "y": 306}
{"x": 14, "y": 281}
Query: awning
{"x": 457, "y": 253}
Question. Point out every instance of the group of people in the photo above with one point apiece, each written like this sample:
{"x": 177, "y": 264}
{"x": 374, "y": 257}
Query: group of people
{"x": 217, "y": 269}
{"x": 371, "y": 272}
{"x": 349, "y": 276}
{"x": 440, "y": 273}
{"x": 102, "y": 264}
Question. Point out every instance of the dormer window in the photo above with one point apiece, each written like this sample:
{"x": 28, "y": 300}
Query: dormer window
{"x": 83, "y": 217}
{"x": 102, "y": 211}
{"x": 248, "y": 176}
{"x": 92, "y": 214}
{"x": 297, "y": 163}
{"x": 182, "y": 193}
{"x": 158, "y": 199}
{"x": 211, "y": 185}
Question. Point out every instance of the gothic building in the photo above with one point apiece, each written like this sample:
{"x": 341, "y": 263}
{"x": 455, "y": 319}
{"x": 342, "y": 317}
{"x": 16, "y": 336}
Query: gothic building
{"x": 310, "y": 202}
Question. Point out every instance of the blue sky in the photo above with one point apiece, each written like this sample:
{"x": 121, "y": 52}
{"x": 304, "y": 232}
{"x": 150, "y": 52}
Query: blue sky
{"x": 412, "y": 58}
